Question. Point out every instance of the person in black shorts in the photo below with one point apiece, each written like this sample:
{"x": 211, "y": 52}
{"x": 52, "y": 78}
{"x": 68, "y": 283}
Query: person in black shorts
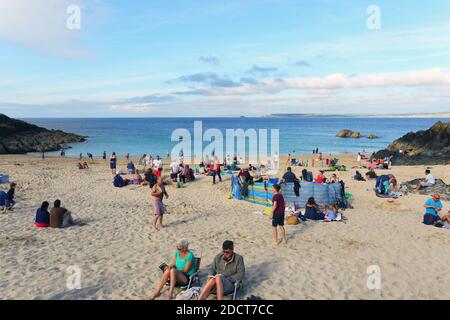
{"x": 278, "y": 208}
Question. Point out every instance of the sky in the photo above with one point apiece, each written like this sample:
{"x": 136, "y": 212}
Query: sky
{"x": 147, "y": 58}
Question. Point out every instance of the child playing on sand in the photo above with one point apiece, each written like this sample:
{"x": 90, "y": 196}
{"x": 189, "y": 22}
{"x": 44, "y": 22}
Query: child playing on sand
{"x": 278, "y": 208}
{"x": 158, "y": 192}
{"x": 330, "y": 213}
{"x": 9, "y": 199}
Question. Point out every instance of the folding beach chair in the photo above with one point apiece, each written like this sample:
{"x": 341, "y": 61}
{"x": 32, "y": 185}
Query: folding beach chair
{"x": 193, "y": 278}
{"x": 237, "y": 287}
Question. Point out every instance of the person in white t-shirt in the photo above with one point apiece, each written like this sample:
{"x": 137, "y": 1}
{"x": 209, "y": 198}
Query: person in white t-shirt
{"x": 359, "y": 159}
{"x": 429, "y": 181}
{"x": 157, "y": 163}
{"x": 175, "y": 169}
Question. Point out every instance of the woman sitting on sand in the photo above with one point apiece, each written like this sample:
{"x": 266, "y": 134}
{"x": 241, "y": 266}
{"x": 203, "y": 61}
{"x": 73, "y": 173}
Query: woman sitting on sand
{"x": 321, "y": 177}
{"x": 178, "y": 272}
{"x": 312, "y": 211}
{"x": 42, "y": 216}
{"x": 137, "y": 179}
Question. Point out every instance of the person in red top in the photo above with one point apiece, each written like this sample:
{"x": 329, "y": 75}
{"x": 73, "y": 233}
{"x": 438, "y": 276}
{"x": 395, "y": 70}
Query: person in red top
{"x": 278, "y": 208}
{"x": 320, "y": 178}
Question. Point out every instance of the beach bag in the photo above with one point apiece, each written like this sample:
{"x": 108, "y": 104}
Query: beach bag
{"x": 292, "y": 220}
{"x": 189, "y": 294}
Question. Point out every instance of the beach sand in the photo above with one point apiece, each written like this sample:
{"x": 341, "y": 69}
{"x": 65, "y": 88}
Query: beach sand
{"x": 118, "y": 254}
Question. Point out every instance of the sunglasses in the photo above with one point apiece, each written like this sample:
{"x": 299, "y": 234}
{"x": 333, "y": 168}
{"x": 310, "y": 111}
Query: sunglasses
{"x": 227, "y": 252}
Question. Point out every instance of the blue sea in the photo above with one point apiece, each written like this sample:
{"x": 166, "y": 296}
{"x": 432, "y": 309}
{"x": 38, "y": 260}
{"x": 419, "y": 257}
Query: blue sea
{"x": 297, "y": 135}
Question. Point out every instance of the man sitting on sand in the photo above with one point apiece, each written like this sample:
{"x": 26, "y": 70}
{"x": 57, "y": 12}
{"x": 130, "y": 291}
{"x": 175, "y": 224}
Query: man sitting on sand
{"x": 429, "y": 181}
{"x": 60, "y": 217}
{"x": 118, "y": 181}
{"x": 432, "y": 208}
{"x": 227, "y": 269}
{"x": 131, "y": 168}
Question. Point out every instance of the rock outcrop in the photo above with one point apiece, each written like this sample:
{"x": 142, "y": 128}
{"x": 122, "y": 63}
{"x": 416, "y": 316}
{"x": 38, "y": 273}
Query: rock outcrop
{"x": 425, "y": 147}
{"x": 19, "y": 137}
{"x": 346, "y": 133}
{"x": 440, "y": 187}
{"x": 372, "y": 136}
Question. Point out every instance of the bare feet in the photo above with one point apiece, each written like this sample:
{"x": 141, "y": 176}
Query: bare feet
{"x": 154, "y": 296}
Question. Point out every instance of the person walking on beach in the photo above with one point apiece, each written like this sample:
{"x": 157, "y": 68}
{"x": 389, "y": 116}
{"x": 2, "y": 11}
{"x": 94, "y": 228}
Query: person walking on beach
{"x": 113, "y": 163}
{"x": 127, "y": 156}
{"x": 216, "y": 170}
{"x": 158, "y": 192}
{"x": 278, "y": 209}
{"x": 104, "y": 155}
{"x": 359, "y": 159}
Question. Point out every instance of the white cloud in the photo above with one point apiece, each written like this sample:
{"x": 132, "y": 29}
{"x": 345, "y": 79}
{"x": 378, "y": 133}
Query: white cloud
{"x": 421, "y": 78}
{"x": 42, "y": 25}
{"x": 133, "y": 108}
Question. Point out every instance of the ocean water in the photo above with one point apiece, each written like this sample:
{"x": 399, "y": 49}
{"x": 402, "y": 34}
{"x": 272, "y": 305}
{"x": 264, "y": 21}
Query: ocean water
{"x": 297, "y": 135}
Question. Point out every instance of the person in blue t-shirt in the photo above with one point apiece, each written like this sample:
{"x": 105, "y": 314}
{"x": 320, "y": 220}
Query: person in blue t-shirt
{"x": 289, "y": 176}
{"x": 432, "y": 208}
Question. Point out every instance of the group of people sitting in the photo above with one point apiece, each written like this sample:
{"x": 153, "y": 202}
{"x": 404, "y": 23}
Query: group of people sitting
{"x": 180, "y": 172}
{"x": 313, "y": 212}
{"x": 384, "y": 163}
{"x": 58, "y": 217}
{"x": 227, "y": 271}
{"x": 150, "y": 178}
{"x": 307, "y": 176}
{"x": 7, "y": 198}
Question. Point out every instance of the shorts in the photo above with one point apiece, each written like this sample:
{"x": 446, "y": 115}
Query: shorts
{"x": 278, "y": 220}
{"x": 228, "y": 286}
{"x": 426, "y": 184}
{"x": 158, "y": 207}
{"x": 430, "y": 219}
{"x": 112, "y": 166}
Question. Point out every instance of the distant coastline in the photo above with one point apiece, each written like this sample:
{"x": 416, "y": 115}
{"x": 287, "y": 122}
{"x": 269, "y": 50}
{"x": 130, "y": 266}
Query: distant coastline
{"x": 312, "y": 115}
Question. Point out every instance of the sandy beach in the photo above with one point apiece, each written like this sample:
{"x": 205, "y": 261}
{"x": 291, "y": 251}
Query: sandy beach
{"x": 118, "y": 253}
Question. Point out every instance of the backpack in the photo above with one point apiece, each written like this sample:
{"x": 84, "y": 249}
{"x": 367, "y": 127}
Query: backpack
{"x": 379, "y": 185}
